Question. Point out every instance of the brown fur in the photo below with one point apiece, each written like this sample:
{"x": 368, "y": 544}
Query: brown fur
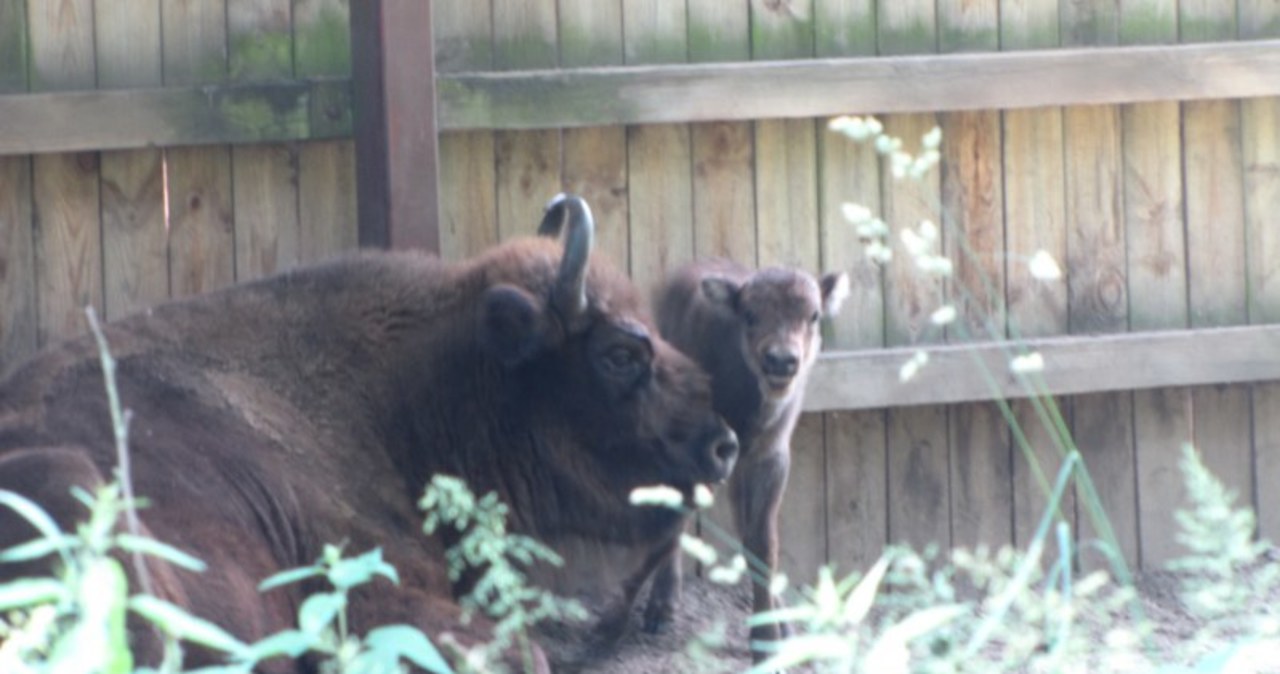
{"x": 312, "y": 407}
{"x": 757, "y": 334}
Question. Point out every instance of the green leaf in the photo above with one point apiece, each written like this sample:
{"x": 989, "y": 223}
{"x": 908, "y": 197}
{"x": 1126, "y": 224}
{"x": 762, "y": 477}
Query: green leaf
{"x": 150, "y": 546}
{"x": 319, "y": 610}
{"x": 243, "y": 668}
{"x": 289, "y": 643}
{"x": 863, "y": 596}
{"x": 24, "y": 552}
{"x": 102, "y": 594}
{"x": 348, "y": 573}
{"x": 787, "y": 614}
{"x": 177, "y": 622}
{"x": 24, "y": 592}
{"x": 290, "y": 576}
{"x": 410, "y": 643}
{"x": 806, "y": 648}
{"x": 31, "y": 512}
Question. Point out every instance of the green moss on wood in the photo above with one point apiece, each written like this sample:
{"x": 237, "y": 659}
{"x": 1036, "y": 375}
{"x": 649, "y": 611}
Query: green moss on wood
{"x": 711, "y": 43}
{"x": 524, "y": 53}
{"x": 259, "y": 56}
{"x": 323, "y": 46}
{"x": 1149, "y": 24}
{"x": 581, "y": 47}
{"x": 14, "y": 50}
{"x": 1040, "y": 36}
{"x": 657, "y": 49}
{"x": 1198, "y": 29}
{"x": 270, "y": 113}
{"x": 917, "y": 37}
{"x": 853, "y": 38}
{"x": 783, "y": 37}
{"x": 951, "y": 39}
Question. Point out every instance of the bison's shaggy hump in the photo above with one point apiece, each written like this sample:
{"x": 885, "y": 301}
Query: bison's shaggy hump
{"x": 312, "y": 407}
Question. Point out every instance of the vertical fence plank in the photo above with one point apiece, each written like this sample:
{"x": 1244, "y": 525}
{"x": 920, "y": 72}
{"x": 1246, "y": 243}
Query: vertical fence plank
{"x": 524, "y": 35}
{"x": 68, "y": 236}
{"x": 723, "y": 178}
{"x": 659, "y": 159}
{"x": 1216, "y": 249}
{"x": 724, "y": 203}
{"x": 264, "y": 177}
{"x": 1260, "y": 124}
{"x": 787, "y": 232}
{"x": 857, "y": 522}
{"x": 1097, "y": 286}
{"x": 1157, "y": 278}
{"x": 201, "y": 229}
{"x": 468, "y": 182}
{"x": 134, "y": 239}
{"x": 1035, "y": 220}
{"x": 326, "y": 169}
{"x": 972, "y": 202}
{"x": 595, "y": 158}
{"x": 919, "y": 475}
{"x": 18, "y": 317}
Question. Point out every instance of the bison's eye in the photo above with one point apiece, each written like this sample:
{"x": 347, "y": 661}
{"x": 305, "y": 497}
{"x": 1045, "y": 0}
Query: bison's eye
{"x": 749, "y": 318}
{"x": 815, "y": 317}
{"x": 623, "y": 363}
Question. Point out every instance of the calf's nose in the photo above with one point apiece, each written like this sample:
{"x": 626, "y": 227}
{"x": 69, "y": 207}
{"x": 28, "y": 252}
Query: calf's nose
{"x": 780, "y": 362}
{"x": 724, "y": 452}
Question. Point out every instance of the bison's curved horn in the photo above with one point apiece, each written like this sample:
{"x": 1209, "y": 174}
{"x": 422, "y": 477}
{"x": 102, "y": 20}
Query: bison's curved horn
{"x": 570, "y": 294}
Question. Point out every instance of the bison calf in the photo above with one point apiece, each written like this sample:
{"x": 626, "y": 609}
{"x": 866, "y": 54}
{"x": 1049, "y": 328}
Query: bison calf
{"x": 757, "y": 334}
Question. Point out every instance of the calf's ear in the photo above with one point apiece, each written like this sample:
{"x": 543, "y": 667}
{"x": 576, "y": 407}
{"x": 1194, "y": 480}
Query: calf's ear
{"x": 514, "y": 325}
{"x": 720, "y": 291}
{"x": 835, "y": 288}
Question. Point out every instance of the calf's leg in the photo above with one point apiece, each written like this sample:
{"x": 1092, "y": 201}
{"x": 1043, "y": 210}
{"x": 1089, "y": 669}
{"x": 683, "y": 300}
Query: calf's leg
{"x": 756, "y": 492}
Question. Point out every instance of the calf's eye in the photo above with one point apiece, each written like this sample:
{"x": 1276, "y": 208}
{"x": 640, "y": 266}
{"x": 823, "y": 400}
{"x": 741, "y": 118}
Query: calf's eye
{"x": 815, "y": 317}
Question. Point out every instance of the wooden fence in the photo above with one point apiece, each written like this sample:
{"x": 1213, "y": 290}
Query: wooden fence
{"x": 1138, "y": 143}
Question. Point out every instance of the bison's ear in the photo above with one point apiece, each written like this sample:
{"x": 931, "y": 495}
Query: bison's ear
{"x": 835, "y": 288}
{"x": 720, "y": 291}
{"x": 514, "y": 325}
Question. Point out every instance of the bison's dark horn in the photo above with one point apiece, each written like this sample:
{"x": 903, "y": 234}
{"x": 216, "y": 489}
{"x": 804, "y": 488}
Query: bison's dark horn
{"x": 570, "y": 295}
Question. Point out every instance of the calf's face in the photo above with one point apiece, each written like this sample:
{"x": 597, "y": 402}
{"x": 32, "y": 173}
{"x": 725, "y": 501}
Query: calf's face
{"x": 778, "y": 311}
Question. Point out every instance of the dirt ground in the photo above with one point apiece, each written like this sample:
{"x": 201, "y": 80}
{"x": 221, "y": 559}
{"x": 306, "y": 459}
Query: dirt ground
{"x": 708, "y": 608}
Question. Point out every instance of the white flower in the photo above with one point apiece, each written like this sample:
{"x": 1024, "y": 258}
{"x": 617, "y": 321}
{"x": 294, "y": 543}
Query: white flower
{"x": 915, "y": 244}
{"x": 874, "y": 127}
{"x": 929, "y": 231}
{"x": 698, "y": 549}
{"x": 729, "y": 575}
{"x": 702, "y": 496}
{"x": 888, "y": 144}
{"x": 778, "y": 585}
{"x": 909, "y": 369}
{"x": 657, "y": 495}
{"x": 943, "y": 315}
{"x": 856, "y": 128}
{"x": 855, "y": 213}
{"x": 935, "y": 265}
{"x": 899, "y": 163}
{"x": 933, "y": 139}
{"x": 1027, "y": 363}
{"x": 1044, "y": 267}
{"x": 878, "y": 252}
{"x": 873, "y": 229}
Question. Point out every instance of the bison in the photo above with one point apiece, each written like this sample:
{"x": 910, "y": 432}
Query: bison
{"x": 757, "y": 334}
{"x": 312, "y": 407}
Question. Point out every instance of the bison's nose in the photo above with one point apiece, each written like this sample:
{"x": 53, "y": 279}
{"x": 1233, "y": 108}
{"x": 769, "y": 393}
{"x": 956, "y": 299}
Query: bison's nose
{"x": 780, "y": 362}
{"x": 724, "y": 452}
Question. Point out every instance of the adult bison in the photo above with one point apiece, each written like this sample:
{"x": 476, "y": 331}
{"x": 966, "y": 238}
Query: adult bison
{"x": 757, "y": 334}
{"x": 312, "y": 407}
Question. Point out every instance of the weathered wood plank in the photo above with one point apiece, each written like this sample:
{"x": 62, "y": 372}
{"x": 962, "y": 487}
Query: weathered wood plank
{"x": 857, "y": 460}
{"x": 1098, "y": 301}
{"x": 724, "y": 204}
{"x": 809, "y": 88}
{"x": 1035, "y": 220}
{"x": 68, "y": 235}
{"x": 973, "y": 225}
{"x": 326, "y": 169}
{"x": 1157, "y": 279}
{"x": 919, "y": 479}
{"x": 659, "y": 157}
{"x": 525, "y": 37}
{"x": 595, "y": 158}
{"x": 468, "y": 191}
{"x": 851, "y": 380}
{"x": 192, "y": 115}
{"x": 397, "y": 161}
{"x": 201, "y": 225}
{"x": 18, "y": 319}
{"x": 1260, "y": 124}
{"x": 264, "y": 177}
{"x": 1216, "y": 261}
{"x": 135, "y": 239}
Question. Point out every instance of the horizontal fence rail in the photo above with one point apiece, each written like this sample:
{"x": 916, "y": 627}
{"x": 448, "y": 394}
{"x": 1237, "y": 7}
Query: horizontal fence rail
{"x": 117, "y": 119}
{"x": 851, "y": 380}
